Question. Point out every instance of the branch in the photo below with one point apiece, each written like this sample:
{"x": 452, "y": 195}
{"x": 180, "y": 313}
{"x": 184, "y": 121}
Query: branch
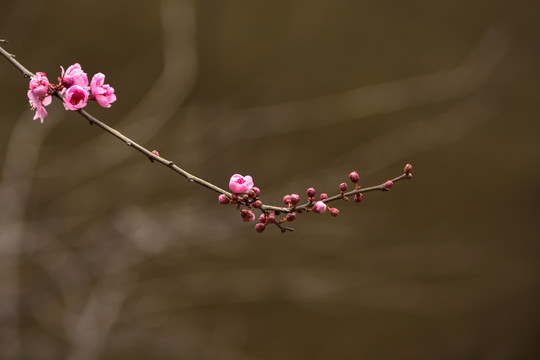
{"x": 246, "y": 201}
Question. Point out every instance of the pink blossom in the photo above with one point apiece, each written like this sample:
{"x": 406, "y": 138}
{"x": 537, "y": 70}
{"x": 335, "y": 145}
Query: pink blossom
{"x": 319, "y": 207}
{"x": 38, "y": 95}
{"x": 103, "y": 93}
{"x": 240, "y": 184}
{"x": 39, "y": 85}
{"x": 74, "y": 75}
{"x": 75, "y": 97}
{"x": 39, "y": 105}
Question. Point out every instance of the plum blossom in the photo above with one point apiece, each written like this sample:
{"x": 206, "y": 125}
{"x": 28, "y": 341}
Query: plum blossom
{"x": 74, "y": 75}
{"x": 240, "y": 184}
{"x": 75, "y": 98}
{"x": 38, "y": 95}
{"x": 103, "y": 93}
{"x": 74, "y": 89}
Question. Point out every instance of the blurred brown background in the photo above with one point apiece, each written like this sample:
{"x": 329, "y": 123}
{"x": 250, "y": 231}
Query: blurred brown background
{"x": 104, "y": 255}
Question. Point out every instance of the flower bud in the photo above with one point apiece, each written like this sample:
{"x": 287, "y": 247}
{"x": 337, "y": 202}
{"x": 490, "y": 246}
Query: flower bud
{"x": 287, "y": 200}
{"x": 334, "y": 212}
{"x": 319, "y": 207}
{"x": 324, "y": 196}
{"x": 251, "y": 194}
{"x": 343, "y": 187}
{"x": 271, "y": 218}
{"x": 358, "y": 197}
{"x": 260, "y": 227}
{"x": 262, "y": 218}
{"x": 247, "y": 215}
{"x": 311, "y": 192}
{"x": 388, "y": 185}
{"x": 224, "y": 199}
{"x": 257, "y": 204}
{"x": 155, "y": 152}
{"x": 291, "y": 216}
{"x": 407, "y": 169}
{"x": 354, "y": 177}
{"x": 256, "y": 190}
{"x": 295, "y": 199}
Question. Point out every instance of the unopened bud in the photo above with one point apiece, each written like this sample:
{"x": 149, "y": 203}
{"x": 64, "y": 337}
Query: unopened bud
{"x": 260, "y": 227}
{"x": 388, "y": 185}
{"x": 295, "y": 199}
{"x": 251, "y": 194}
{"x": 324, "y": 196}
{"x": 257, "y": 204}
{"x": 287, "y": 200}
{"x": 407, "y": 169}
{"x": 224, "y": 199}
{"x": 310, "y": 192}
{"x": 358, "y": 197}
{"x": 343, "y": 187}
{"x": 271, "y": 218}
{"x": 262, "y": 218}
{"x": 354, "y": 177}
{"x": 319, "y": 207}
{"x": 256, "y": 190}
{"x": 291, "y": 216}
{"x": 334, "y": 212}
{"x": 247, "y": 215}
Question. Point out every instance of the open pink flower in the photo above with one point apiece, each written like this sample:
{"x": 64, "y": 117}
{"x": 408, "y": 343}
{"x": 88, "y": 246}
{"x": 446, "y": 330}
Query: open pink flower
{"x": 39, "y": 105}
{"x": 103, "y": 93}
{"x": 74, "y": 75}
{"x": 38, "y": 95}
{"x": 240, "y": 184}
{"x": 75, "y": 97}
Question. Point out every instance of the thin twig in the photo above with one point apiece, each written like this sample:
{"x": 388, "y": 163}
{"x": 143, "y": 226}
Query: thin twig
{"x": 190, "y": 177}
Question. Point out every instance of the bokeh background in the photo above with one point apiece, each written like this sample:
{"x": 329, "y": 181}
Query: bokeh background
{"x": 104, "y": 255}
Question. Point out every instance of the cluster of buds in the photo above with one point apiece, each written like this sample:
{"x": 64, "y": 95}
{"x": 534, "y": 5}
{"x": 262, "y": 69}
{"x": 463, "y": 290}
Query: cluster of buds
{"x": 244, "y": 194}
{"x": 74, "y": 88}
